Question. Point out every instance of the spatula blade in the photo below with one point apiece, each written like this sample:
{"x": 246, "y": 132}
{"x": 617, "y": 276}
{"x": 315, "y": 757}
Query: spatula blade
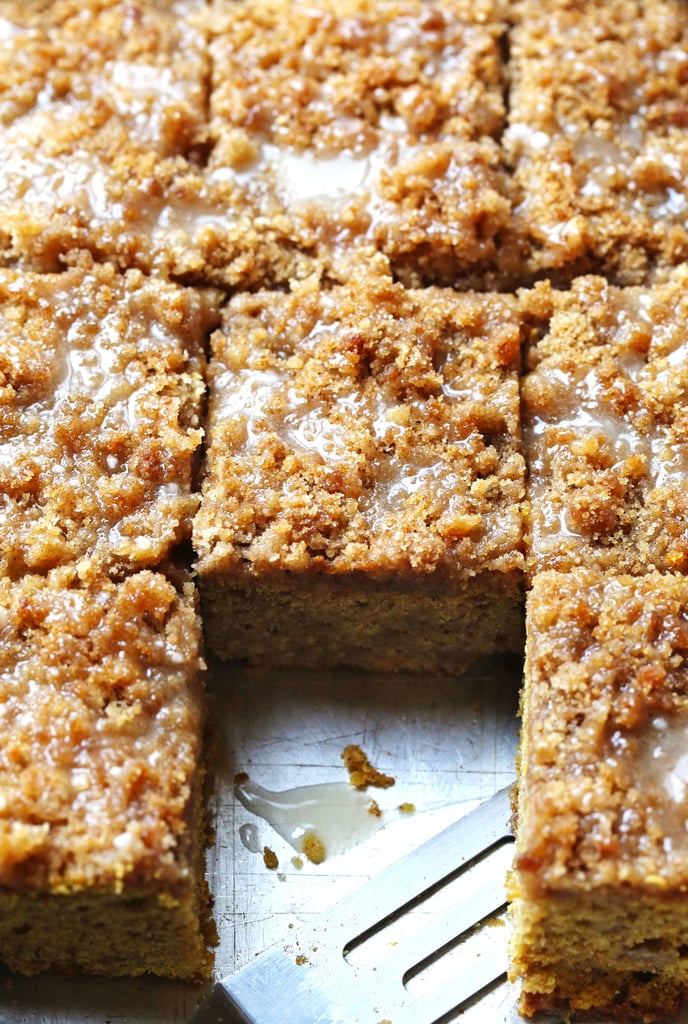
{"x": 329, "y": 989}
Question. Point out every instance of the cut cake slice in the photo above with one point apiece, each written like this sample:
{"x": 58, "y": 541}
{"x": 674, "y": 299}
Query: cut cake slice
{"x": 102, "y": 127}
{"x": 342, "y": 126}
{"x": 606, "y": 426}
{"x": 101, "y": 814}
{"x": 601, "y": 873}
{"x": 597, "y": 135}
{"x": 100, "y": 402}
{"x": 364, "y": 479}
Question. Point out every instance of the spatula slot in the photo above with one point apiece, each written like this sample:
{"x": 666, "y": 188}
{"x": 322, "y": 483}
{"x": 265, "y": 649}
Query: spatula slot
{"x": 471, "y": 943}
{"x": 449, "y": 909}
{"x": 477, "y": 1003}
{"x": 445, "y": 887}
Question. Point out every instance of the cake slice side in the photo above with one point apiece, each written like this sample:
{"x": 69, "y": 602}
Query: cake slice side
{"x": 101, "y": 809}
{"x": 363, "y": 474}
{"x": 601, "y": 872}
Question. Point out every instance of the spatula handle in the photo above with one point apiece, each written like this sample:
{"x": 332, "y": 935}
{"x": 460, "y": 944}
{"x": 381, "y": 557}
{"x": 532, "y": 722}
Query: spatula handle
{"x": 219, "y": 1008}
{"x": 273, "y": 989}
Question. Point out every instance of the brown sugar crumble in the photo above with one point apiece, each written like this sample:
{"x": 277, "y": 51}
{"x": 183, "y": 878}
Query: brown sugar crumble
{"x": 361, "y": 772}
{"x": 102, "y": 119}
{"x": 605, "y": 427}
{"x": 270, "y": 859}
{"x": 101, "y": 390}
{"x": 313, "y": 848}
{"x": 363, "y": 472}
{"x": 596, "y": 136}
{"x": 353, "y": 127}
{"x": 380, "y": 307}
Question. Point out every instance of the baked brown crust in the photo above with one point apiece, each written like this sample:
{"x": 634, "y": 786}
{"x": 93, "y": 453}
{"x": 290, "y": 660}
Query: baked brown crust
{"x": 596, "y": 137}
{"x": 601, "y": 869}
{"x": 101, "y": 385}
{"x": 102, "y": 709}
{"x": 606, "y": 428}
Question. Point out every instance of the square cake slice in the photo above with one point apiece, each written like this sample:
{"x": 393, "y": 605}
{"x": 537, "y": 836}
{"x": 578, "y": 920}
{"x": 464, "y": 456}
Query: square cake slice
{"x": 361, "y": 124}
{"x": 606, "y": 426}
{"x": 100, "y": 402}
{"x": 597, "y": 135}
{"x": 103, "y": 111}
{"x": 362, "y": 496}
{"x": 101, "y": 815}
{"x": 601, "y": 872}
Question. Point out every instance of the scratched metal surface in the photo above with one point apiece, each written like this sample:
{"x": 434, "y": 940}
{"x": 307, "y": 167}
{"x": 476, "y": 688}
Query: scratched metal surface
{"x": 448, "y": 743}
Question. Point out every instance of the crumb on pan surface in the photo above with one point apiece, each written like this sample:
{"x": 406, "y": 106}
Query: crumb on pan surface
{"x": 361, "y": 772}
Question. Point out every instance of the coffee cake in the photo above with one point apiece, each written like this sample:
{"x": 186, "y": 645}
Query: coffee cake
{"x": 102, "y": 123}
{"x": 368, "y": 184}
{"x": 606, "y": 426}
{"x": 368, "y": 126}
{"x": 602, "y": 869}
{"x": 101, "y": 833}
{"x": 596, "y": 136}
{"x": 364, "y": 475}
{"x": 101, "y": 385}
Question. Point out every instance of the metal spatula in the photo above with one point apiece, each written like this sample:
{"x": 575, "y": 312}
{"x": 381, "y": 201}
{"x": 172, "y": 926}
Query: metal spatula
{"x": 331, "y": 982}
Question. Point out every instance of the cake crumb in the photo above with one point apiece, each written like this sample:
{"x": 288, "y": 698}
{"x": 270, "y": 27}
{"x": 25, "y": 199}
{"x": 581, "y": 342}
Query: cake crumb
{"x": 301, "y": 960}
{"x": 374, "y": 809}
{"x": 407, "y": 808}
{"x": 313, "y": 848}
{"x": 270, "y": 859}
{"x": 297, "y": 862}
{"x": 361, "y": 772}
